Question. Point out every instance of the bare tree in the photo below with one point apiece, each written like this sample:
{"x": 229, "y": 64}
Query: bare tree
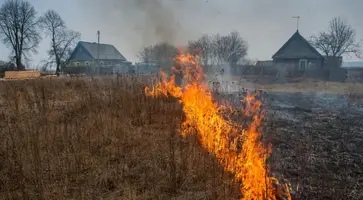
{"x": 63, "y": 40}
{"x": 161, "y": 54}
{"x": 146, "y": 54}
{"x": 338, "y": 40}
{"x": 203, "y": 47}
{"x": 220, "y": 48}
{"x": 231, "y": 48}
{"x": 18, "y": 29}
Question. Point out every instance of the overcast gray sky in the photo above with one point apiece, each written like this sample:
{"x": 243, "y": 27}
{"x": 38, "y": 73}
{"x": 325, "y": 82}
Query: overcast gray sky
{"x": 131, "y": 24}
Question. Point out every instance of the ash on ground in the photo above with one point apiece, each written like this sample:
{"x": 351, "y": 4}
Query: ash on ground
{"x": 317, "y": 141}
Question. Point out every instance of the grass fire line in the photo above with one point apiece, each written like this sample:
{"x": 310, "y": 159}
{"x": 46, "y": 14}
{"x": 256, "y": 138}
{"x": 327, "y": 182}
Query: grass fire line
{"x": 246, "y": 160}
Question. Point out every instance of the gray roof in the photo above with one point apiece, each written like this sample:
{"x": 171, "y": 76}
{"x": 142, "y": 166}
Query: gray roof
{"x": 297, "y": 47}
{"x": 106, "y": 51}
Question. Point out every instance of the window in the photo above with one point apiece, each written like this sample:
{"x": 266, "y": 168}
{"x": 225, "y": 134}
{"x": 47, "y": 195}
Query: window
{"x": 77, "y": 64}
{"x": 101, "y": 62}
{"x": 86, "y": 63}
{"x": 303, "y": 64}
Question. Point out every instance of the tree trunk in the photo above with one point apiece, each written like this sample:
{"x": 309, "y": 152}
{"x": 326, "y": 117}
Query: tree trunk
{"x": 19, "y": 65}
{"x": 57, "y": 71}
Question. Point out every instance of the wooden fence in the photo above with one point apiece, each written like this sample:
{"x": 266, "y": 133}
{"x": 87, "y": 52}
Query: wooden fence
{"x": 18, "y": 75}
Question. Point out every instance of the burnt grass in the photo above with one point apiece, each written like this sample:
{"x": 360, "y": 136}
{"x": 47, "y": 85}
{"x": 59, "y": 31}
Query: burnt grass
{"x": 318, "y": 145}
{"x": 102, "y": 138}
{"x": 317, "y": 142}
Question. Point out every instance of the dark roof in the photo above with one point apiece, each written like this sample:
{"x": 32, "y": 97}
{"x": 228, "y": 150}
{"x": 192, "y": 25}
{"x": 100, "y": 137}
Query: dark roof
{"x": 106, "y": 51}
{"x": 297, "y": 47}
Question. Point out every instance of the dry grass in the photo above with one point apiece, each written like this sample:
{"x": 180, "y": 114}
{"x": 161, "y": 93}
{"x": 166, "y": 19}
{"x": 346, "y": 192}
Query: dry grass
{"x": 100, "y": 139}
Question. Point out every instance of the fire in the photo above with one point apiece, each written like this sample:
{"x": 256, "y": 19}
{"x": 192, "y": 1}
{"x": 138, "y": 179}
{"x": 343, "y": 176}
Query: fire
{"x": 239, "y": 152}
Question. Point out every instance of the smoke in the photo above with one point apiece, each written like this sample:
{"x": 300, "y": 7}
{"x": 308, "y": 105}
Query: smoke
{"x": 159, "y": 24}
{"x": 137, "y": 23}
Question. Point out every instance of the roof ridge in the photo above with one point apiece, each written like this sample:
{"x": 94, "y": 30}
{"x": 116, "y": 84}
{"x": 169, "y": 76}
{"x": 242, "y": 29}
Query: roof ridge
{"x": 297, "y": 34}
{"x": 103, "y": 51}
{"x": 95, "y": 43}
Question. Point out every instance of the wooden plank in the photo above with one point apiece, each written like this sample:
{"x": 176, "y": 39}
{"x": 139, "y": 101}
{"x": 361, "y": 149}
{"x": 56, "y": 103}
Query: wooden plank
{"x": 18, "y": 75}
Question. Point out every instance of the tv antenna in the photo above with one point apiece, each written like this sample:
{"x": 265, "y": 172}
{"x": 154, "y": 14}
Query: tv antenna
{"x": 297, "y": 21}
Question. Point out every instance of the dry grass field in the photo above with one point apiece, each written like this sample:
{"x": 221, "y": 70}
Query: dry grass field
{"x": 103, "y": 138}
{"x": 100, "y": 139}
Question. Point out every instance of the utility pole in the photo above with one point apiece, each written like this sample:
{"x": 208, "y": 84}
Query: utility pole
{"x": 98, "y": 45}
{"x": 297, "y": 22}
{"x": 98, "y": 50}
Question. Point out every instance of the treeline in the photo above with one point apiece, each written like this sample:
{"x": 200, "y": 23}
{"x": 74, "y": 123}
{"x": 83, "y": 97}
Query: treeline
{"x": 212, "y": 49}
{"x": 21, "y": 29}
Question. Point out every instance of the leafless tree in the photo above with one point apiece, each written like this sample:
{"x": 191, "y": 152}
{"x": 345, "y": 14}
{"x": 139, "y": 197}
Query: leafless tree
{"x": 161, "y": 54}
{"x": 203, "y": 47}
{"x": 45, "y": 66}
{"x": 338, "y": 40}
{"x": 18, "y": 29}
{"x": 231, "y": 48}
{"x": 63, "y": 40}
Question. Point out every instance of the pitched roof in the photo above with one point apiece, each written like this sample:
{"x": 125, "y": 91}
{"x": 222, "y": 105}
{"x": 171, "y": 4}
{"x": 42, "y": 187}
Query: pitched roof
{"x": 297, "y": 47}
{"x": 106, "y": 51}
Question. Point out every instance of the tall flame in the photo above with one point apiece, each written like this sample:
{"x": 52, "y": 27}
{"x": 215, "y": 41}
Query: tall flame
{"x": 239, "y": 152}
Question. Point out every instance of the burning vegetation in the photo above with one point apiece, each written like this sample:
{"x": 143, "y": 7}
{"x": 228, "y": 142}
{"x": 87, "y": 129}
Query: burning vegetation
{"x": 92, "y": 138}
{"x": 239, "y": 151}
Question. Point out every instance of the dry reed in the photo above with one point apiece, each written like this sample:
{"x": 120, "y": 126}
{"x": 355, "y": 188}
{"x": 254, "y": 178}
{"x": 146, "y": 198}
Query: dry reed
{"x": 100, "y": 138}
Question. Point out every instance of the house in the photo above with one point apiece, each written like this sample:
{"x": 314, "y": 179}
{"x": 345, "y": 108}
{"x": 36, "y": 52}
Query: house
{"x": 297, "y": 56}
{"x": 94, "y": 54}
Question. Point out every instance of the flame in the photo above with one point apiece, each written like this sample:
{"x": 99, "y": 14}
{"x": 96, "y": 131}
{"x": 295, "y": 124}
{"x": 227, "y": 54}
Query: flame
{"x": 239, "y": 152}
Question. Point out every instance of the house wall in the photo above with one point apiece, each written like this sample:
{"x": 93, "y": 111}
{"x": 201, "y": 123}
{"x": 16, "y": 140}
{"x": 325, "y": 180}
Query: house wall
{"x": 93, "y": 62}
{"x": 81, "y": 63}
{"x": 290, "y": 67}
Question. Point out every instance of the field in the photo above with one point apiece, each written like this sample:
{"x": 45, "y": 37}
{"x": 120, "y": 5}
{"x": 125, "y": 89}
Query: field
{"x": 102, "y": 138}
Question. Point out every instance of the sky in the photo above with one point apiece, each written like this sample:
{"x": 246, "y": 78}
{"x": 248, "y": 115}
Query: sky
{"x": 131, "y": 24}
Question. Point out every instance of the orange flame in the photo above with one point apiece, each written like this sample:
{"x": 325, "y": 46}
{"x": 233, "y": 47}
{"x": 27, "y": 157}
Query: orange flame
{"x": 241, "y": 153}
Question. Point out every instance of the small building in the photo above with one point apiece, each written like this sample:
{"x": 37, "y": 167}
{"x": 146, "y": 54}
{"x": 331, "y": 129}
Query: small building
{"x": 297, "y": 56}
{"x": 94, "y": 54}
